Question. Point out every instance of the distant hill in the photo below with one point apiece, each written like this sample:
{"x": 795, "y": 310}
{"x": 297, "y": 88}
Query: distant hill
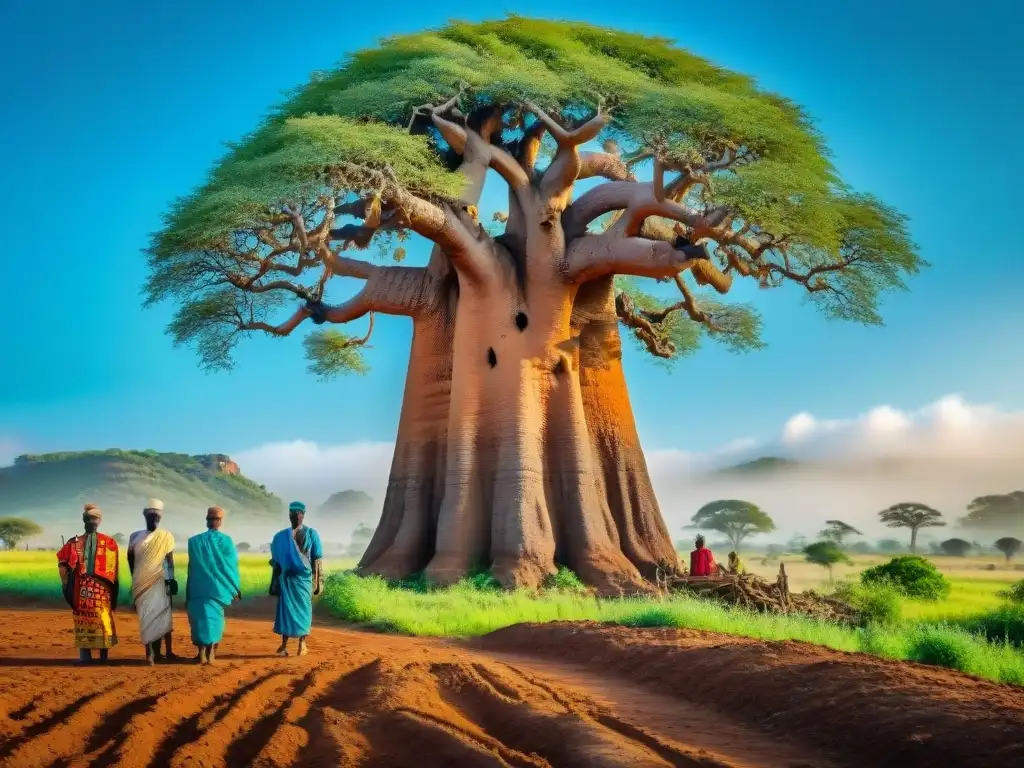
{"x": 763, "y": 466}
{"x": 51, "y": 488}
{"x": 348, "y": 505}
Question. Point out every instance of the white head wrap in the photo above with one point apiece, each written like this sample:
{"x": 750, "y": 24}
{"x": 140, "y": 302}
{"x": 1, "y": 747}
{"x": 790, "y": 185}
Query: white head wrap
{"x": 155, "y": 504}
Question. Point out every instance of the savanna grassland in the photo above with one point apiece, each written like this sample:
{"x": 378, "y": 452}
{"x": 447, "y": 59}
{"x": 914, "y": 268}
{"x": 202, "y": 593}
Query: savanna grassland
{"x": 32, "y": 576}
{"x": 973, "y": 629}
{"x": 476, "y": 675}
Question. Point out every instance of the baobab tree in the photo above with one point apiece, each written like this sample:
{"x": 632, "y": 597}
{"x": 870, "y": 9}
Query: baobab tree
{"x": 623, "y": 157}
{"x": 910, "y": 514}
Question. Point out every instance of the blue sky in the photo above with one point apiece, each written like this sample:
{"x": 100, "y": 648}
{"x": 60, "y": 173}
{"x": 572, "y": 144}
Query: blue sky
{"x": 120, "y": 107}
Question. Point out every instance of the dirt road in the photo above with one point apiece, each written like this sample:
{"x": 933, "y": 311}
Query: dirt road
{"x": 370, "y": 700}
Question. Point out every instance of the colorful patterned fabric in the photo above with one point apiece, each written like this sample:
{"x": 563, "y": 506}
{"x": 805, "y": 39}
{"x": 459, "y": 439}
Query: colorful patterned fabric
{"x": 91, "y": 589}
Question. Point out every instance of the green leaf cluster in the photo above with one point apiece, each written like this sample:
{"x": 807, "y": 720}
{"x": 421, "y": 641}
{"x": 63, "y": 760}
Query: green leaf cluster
{"x": 347, "y": 129}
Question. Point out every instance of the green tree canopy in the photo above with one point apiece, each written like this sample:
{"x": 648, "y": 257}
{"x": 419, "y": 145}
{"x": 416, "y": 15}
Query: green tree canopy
{"x": 243, "y": 546}
{"x": 14, "y": 530}
{"x": 740, "y": 169}
{"x": 120, "y": 539}
{"x": 910, "y": 514}
{"x": 1009, "y": 546}
{"x": 735, "y": 518}
{"x": 826, "y": 554}
{"x": 1001, "y": 511}
{"x": 955, "y": 547}
{"x": 837, "y": 530}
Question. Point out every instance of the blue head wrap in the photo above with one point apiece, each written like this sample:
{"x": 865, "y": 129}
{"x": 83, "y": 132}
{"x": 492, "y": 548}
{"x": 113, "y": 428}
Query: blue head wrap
{"x": 297, "y": 506}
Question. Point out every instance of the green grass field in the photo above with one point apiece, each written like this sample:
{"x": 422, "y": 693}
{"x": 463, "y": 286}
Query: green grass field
{"x": 973, "y": 630}
{"x": 466, "y": 610}
{"x": 34, "y": 576}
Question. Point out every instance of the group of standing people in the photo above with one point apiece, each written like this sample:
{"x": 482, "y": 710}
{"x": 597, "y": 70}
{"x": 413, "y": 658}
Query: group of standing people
{"x": 89, "y": 570}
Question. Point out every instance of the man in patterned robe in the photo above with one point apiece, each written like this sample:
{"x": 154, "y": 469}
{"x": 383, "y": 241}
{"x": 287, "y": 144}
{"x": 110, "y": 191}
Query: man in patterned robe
{"x": 88, "y": 566}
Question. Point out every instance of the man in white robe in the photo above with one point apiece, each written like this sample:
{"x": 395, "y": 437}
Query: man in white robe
{"x": 151, "y": 561}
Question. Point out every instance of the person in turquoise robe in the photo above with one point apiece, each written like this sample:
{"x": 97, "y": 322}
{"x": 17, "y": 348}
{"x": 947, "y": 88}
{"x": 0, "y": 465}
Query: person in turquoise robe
{"x": 213, "y": 583}
{"x": 295, "y": 557}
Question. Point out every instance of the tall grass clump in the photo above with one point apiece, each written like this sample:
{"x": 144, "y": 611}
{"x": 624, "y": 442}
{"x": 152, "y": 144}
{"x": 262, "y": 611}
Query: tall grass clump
{"x": 469, "y": 609}
{"x": 914, "y": 576}
{"x": 877, "y": 603}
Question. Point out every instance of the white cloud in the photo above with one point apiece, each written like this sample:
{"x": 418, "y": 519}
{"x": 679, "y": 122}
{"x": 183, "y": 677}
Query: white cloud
{"x": 312, "y": 472}
{"x": 943, "y": 454}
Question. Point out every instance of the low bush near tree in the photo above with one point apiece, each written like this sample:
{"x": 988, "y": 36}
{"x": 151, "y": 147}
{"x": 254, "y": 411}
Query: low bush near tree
{"x": 912, "y": 575}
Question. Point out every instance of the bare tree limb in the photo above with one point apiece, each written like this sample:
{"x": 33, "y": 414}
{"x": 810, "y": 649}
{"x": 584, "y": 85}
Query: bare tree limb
{"x": 565, "y": 168}
{"x": 594, "y": 256}
{"x": 607, "y": 165}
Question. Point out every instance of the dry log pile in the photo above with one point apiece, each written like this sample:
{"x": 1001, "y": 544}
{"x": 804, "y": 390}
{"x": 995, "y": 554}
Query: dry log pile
{"x": 755, "y": 593}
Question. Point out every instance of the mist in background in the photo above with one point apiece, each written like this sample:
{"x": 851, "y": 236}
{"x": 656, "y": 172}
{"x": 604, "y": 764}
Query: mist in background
{"x": 944, "y": 454}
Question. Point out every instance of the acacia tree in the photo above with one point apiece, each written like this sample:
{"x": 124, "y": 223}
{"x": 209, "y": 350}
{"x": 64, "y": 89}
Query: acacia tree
{"x": 517, "y": 445}
{"x": 910, "y": 514}
{"x": 1009, "y": 546}
{"x": 14, "y": 530}
{"x": 997, "y": 511}
{"x": 827, "y": 554}
{"x": 837, "y": 530}
{"x": 736, "y": 518}
{"x": 955, "y": 547}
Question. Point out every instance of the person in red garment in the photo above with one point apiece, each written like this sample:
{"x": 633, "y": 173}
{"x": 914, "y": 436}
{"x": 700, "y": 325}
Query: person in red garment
{"x": 702, "y": 562}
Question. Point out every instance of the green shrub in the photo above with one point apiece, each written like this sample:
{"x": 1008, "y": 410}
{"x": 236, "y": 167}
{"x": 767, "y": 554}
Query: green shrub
{"x": 878, "y": 603}
{"x": 1005, "y": 625}
{"x": 942, "y": 648}
{"x": 565, "y": 581}
{"x": 1014, "y": 593}
{"x": 910, "y": 574}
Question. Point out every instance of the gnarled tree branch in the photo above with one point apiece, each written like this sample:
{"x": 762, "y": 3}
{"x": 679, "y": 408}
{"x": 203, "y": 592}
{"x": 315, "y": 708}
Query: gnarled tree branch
{"x": 594, "y": 256}
{"x": 565, "y": 167}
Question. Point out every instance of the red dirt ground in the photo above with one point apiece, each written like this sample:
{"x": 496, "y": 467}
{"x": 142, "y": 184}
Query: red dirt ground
{"x": 555, "y": 695}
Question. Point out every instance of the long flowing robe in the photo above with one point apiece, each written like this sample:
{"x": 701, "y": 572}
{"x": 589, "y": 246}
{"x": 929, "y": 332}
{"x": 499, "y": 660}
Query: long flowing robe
{"x": 702, "y": 562}
{"x": 213, "y": 582}
{"x": 92, "y": 588}
{"x": 292, "y": 553}
{"x": 149, "y": 582}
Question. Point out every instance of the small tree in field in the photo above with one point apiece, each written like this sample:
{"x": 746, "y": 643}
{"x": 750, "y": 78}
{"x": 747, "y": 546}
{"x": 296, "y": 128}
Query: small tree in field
{"x": 910, "y": 514}
{"x": 956, "y": 547}
{"x": 243, "y": 546}
{"x": 14, "y": 530}
{"x": 837, "y": 530}
{"x": 1009, "y": 546}
{"x": 735, "y": 518}
{"x": 827, "y": 554}
{"x": 119, "y": 539}
{"x": 621, "y": 158}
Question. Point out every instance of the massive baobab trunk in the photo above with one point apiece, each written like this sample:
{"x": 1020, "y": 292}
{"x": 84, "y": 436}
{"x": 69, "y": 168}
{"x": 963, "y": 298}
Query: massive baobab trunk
{"x": 404, "y": 540}
{"x": 541, "y": 463}
{"x": 612, "y": 431}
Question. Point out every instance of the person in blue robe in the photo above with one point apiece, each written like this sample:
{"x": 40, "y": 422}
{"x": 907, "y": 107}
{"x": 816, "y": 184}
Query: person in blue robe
{"x": 213, "y": 583}
{"x": 296, "y": 555}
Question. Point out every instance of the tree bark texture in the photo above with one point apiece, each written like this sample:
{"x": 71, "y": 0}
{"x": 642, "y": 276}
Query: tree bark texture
{"x": 517, "y": 450}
